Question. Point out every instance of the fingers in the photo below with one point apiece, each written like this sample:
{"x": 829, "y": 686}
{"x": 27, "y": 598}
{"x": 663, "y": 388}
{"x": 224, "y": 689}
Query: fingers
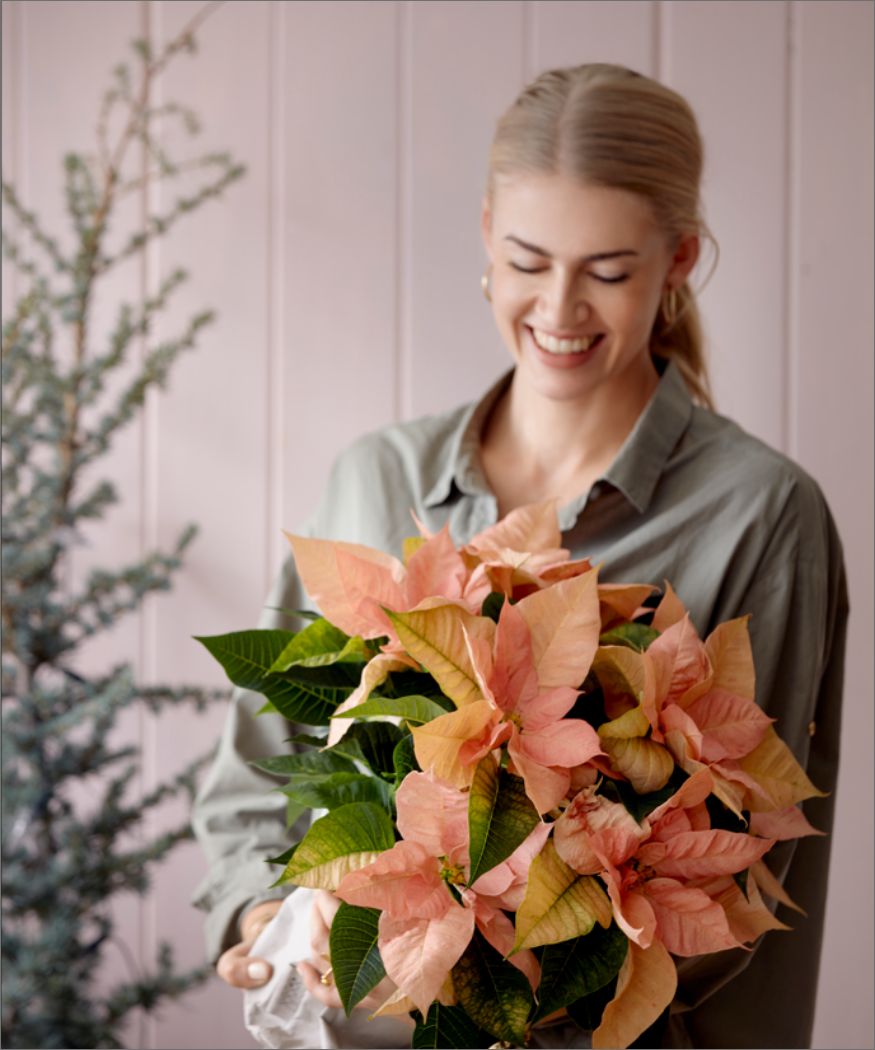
{"x": 327, "y": 904}
{"x": 237, "y": 968}
{"x": 325, "y": 907}
{"x": 254, "y": 921}
{"x": 378, "y": 995}
{"x": 326, "y": 993}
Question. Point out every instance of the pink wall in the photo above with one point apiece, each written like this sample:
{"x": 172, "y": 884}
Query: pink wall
{"x": 346, "y": 269}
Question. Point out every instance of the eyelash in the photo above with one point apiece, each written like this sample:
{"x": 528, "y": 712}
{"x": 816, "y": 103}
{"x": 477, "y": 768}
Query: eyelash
{"x": 604, "y": 280}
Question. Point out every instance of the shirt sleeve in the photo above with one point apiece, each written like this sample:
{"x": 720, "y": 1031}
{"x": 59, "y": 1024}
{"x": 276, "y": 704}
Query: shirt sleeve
{"x": 798, "y": 605}
{"x": 239, "y": 821}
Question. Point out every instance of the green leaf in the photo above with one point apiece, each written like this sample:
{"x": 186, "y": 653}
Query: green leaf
{"x": 355, "y": 957}
{"x": 301, "y": 614}
{"x": 372, "y": 743}
{"x": 319, "y": 644}
{"x": 344, "y": 840}
{"x": 740, "y": 880}
{"x": 494, "y": 994}
{"x": 559, "y": 903}
{"x": 340, "y": 789}
{"x": 577, "y": 968}
{"x": 414, "y": 683}
{"x": 448, "y": 1027}
{"x": 247, "y": 657}
{"x": 304, "y": 767}
{"x": 414, "y": 709}
{"x": 294, "y": 810}
{"x": 492, "y": 604}
{"x": 404, "y": 759}
{"x": 636, "y": 636}
{"x": 326, "y": 780}
{"x": 328, "y": 676}
{"x": 284, "y": 857}
{"x": 500, "y": 816}
{"x": 303, "y": 702}
{"x": 309, "y": 739}
{"x": 587, "y": 1011}
{"x": 640, "y": 806}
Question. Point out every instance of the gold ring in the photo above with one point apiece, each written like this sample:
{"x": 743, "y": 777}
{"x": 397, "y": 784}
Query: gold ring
{"x": 327, "y": 978}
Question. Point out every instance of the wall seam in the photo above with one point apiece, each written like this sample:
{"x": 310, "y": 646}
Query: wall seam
{"x": 276, "y": 261}
{"x": 664, "y": 58}
{"x": 403, "y": 392}
{"x": 151, "y": 25}
{"x": 656, "y": 42}
{"x": 20, "y": 135}
{"x": 528, "y": 42}
{"x": 14, "y": 173}
{"x": 790, "y": 362}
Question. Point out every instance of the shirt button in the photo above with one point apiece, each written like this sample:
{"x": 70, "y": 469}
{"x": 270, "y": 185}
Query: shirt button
{"x": 812, "y": 728}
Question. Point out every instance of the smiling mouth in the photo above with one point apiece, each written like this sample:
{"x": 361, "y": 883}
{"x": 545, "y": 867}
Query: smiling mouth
{"x": 563, "y": 347}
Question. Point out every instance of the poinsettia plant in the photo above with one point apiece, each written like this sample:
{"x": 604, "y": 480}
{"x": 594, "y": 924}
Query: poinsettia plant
{"x": 537, "y": 790}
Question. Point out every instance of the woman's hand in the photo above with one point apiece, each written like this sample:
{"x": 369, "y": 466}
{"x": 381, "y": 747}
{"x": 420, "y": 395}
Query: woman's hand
{"x": 235, "y": 966}
{"x": 316, "y": 973}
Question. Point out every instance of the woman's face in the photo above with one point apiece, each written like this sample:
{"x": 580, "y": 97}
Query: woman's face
{"x": 578, "y": 271}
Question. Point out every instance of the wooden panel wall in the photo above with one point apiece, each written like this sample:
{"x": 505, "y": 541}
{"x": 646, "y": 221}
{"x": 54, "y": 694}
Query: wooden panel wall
{"x": 345, "y": 270}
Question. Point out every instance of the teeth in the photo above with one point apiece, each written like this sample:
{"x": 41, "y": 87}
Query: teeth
{"x": 562, "y": 346}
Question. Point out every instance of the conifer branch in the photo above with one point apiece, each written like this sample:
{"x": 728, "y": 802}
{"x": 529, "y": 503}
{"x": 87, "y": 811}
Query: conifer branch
{"x": 64, "y": 858}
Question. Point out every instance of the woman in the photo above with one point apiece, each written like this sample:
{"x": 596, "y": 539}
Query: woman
{"x": 592, "y": 226}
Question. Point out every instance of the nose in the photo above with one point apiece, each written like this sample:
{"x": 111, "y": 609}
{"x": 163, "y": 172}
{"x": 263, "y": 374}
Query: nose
{"x": 563, "y": 304}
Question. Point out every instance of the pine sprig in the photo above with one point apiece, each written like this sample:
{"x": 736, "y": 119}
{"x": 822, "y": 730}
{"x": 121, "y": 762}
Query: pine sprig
{"x": 72, "y": 807}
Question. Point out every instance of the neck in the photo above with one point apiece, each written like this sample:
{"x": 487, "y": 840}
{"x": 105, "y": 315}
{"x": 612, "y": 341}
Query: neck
{"x": 534, "y": 447}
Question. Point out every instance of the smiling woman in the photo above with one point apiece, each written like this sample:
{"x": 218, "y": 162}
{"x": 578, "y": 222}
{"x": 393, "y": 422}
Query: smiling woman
{"x": 575, "y": 300}
{"x": 592, "y": 225}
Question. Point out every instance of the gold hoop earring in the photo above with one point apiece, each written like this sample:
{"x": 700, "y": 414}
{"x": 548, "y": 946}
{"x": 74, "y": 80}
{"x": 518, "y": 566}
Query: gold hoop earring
{"x": 484, "y": 284}
{"x": 670, "y": 307}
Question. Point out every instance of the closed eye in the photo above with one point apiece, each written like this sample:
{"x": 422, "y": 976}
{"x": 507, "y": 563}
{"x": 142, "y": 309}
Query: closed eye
{"x": 526, "y": 269}
{"x": 612, "y": 280}
{"x": 540, "y": 269}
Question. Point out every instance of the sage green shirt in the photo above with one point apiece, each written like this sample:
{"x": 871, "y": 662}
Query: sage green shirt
{"x": 691, "y": 498}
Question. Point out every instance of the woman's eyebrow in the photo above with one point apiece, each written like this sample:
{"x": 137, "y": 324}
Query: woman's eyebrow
{"x": 598, "y": 257}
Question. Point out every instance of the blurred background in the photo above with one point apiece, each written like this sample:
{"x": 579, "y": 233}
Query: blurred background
{"x": 345, "y": 269}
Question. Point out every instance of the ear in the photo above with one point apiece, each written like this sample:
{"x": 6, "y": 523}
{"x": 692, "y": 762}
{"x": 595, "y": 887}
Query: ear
{"x": 685, "y": 256}
{"x": 486, "y": 226}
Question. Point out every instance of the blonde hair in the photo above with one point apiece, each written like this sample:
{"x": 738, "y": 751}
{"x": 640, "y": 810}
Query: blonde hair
{"x": 610, "y": 126}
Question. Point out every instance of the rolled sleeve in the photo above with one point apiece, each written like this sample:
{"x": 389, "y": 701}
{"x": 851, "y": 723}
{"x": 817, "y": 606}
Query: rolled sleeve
{"x": 239, "y": 821}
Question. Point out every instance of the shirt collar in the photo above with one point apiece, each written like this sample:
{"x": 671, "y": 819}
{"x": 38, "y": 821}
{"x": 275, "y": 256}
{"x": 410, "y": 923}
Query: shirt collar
{"x": 461, "y": 463}
{"x": 644, "y": 454}
{"x": 634, "y": 472}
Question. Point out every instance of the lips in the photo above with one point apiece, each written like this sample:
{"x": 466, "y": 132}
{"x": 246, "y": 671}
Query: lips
{"x": 554, "y": 345}
{"x": 561, "y": 353}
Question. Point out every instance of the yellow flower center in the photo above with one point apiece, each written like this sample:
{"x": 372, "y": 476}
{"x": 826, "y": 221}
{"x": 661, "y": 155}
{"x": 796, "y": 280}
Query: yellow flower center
{"x": 452, "y": 873}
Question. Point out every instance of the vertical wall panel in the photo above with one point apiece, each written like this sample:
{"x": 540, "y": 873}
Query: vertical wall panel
{"x": 210, "y": 434}
{"x": 339, "y": 237}
{"x": 208, "y": 457}
{"x": 568, "y": 34}
{"x": 55, "y": 39}
{"x": 832, "y": 435}
{"x": 455, "y": 352}
{"x": 55, "y": 46}
{"x": 728, "y": 59}
{"x": 11, "y": 132}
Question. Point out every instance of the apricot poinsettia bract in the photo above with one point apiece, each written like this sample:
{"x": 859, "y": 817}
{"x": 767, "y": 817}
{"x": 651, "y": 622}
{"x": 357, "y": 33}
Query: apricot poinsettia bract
{"x": 535, "y": 789}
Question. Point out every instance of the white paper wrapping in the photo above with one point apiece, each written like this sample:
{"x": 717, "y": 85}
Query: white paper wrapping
{"x": 282, "y": 1013}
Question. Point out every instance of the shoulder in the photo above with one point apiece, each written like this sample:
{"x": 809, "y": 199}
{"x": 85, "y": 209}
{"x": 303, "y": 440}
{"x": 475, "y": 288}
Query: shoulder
{"x": 384, "y": 475}
{"x": 414, "y": 445}
{"x": 758, "y": 483}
